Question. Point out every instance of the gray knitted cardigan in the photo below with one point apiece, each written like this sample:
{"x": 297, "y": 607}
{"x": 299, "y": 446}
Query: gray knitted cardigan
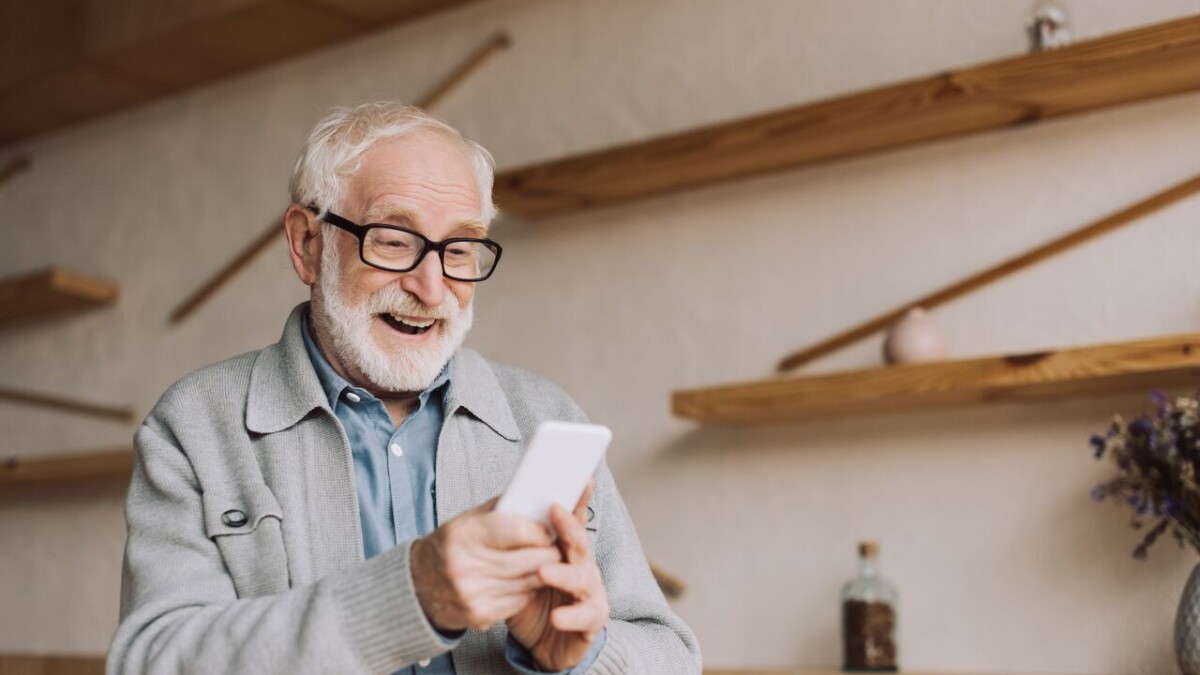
{"x": 244, "y": 551}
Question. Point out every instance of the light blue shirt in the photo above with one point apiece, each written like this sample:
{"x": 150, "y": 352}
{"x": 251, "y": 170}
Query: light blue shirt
{"x": 394, "y": 471}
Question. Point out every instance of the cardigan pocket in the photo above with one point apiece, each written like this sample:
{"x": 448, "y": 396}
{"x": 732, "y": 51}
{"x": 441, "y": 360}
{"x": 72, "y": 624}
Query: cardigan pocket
{"x": 247, "y": 528}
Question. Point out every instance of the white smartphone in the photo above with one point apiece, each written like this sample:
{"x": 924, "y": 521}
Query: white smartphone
{"x": 558, "y": 462}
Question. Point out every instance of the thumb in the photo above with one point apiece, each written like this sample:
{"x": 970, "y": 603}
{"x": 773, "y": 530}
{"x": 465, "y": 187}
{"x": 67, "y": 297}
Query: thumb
{"x": 581, "y": 506}
{"x": 486, "y": 507}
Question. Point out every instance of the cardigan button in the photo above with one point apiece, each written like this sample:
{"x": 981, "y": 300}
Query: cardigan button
{"x": 234, "y": 518}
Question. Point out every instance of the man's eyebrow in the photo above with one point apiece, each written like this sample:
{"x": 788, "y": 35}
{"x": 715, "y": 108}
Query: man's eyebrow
{"x": 474, "y": 227}
{"x": 477, "y": 228}
{"x": 378, "y": 215}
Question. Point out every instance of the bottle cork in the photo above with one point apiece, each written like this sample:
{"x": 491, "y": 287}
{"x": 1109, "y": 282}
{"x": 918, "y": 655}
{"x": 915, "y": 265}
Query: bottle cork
{"x": 868, "y": 549}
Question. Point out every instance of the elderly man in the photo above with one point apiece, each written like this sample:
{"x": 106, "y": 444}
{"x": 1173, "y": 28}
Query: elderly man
{"x": 324, "y": 505}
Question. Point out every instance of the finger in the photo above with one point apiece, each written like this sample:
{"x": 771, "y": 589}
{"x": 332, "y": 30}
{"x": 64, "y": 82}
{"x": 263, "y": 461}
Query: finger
{"x": 585, "y": 617}
{"x": 495, "y": 600}
{"x": 507, "y": 531}
{"x": 500, "y": 588}
{"x": 498, "y": 599}
{"x": 572, "y": 535}
{"x": 574, "y": 580}
{"x": 510, "y": 598}
{"x": 584, "y": 499}
{"x": 485, "y": 507}
{"x": 511, "y": 606}
{"x": 519, "y": 562}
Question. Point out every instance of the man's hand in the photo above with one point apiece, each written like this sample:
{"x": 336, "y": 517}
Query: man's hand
{"x": 479, "y": 568}
{"x": 566, "y": 615}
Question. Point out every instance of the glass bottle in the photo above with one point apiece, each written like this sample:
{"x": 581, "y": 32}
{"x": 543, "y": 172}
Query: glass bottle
{"x": 869, "y": 617}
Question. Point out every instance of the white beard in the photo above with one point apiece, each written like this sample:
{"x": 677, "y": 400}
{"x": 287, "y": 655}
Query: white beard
{"x": 349, "y": 327}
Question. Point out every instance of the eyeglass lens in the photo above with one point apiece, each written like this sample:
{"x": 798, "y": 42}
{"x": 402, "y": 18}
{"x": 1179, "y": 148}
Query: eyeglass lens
{"x": 399, "y": 250}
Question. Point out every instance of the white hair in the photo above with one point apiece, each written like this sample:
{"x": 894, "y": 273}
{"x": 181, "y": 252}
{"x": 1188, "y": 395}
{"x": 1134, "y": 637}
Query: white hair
{"x": 336, "y": 144}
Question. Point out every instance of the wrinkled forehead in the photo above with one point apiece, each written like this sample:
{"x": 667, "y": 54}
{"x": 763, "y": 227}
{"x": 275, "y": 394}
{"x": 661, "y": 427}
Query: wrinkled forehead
{"x": 425, "y": 180}
{"x": 396, "y": 214}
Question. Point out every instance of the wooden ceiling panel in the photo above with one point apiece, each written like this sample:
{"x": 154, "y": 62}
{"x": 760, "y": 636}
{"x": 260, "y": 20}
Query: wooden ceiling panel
{"x": 113, "y": 24}
{"x": 40, "y": 38}
{"x": 64, "y": 61}
{"x": 378, "y": 12}
{"x": 84, "y": 91}
{"x": 227, "y": 44}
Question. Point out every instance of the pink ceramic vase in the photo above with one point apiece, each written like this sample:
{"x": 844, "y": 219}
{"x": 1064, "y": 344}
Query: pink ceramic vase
{"x": 914, "y": 339}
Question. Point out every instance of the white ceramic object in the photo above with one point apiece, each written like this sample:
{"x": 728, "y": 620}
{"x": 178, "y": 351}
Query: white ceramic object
{"x": 1049, "y": 27}
{"x": 914, "y": 339}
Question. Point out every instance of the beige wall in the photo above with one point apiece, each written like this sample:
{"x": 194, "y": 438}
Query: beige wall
{"x": 986, "y": 527}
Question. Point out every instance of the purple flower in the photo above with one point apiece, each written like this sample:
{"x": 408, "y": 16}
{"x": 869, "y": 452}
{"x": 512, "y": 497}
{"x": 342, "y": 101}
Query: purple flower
{"x": 1159, "y": 398}
{"x": 1171, "y": 506}
{"x": 1172, "y": 440}
{"x": 1157, "y": 457}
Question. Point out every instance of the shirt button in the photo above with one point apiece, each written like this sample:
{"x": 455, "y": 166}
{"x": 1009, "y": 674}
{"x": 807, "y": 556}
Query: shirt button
{"x": 397, "y": 450}
{"x": 424, "y": 663}
{"x": 353, "y": 397}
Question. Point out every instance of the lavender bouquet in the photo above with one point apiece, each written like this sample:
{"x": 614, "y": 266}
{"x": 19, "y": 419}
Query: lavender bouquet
{"x": 1157, "y": 456}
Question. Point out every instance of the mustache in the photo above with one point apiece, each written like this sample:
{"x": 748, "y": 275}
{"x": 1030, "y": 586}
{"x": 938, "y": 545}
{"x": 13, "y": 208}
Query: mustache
{"x": 396, "y": 301}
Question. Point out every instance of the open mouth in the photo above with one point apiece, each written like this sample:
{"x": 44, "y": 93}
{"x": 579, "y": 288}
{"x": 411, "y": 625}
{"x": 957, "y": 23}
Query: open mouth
{"x": 408, "y": 326}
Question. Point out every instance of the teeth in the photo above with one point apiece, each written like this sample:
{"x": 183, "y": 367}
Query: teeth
{"x": 415, "y": 324}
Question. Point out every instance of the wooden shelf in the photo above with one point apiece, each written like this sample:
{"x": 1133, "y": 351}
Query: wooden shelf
{"x": 1121, "y": 68}
{"x": 102, "y": 465}
{"x": 38, "y": 664}
{"x": 51, "y": 292}
{"x": 1145, "y": 364}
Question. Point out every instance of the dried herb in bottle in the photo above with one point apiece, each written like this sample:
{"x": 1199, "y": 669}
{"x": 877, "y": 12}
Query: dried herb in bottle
{"x": 869, "y": 617}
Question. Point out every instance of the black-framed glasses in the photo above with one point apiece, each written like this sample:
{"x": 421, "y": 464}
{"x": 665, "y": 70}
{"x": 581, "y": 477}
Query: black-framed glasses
{"x": 399, "y": 249}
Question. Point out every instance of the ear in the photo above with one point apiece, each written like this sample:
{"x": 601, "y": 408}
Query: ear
{"x": 304, "y": 242}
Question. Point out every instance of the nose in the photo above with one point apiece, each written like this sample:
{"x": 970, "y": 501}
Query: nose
{"x": 426, "y": 281}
